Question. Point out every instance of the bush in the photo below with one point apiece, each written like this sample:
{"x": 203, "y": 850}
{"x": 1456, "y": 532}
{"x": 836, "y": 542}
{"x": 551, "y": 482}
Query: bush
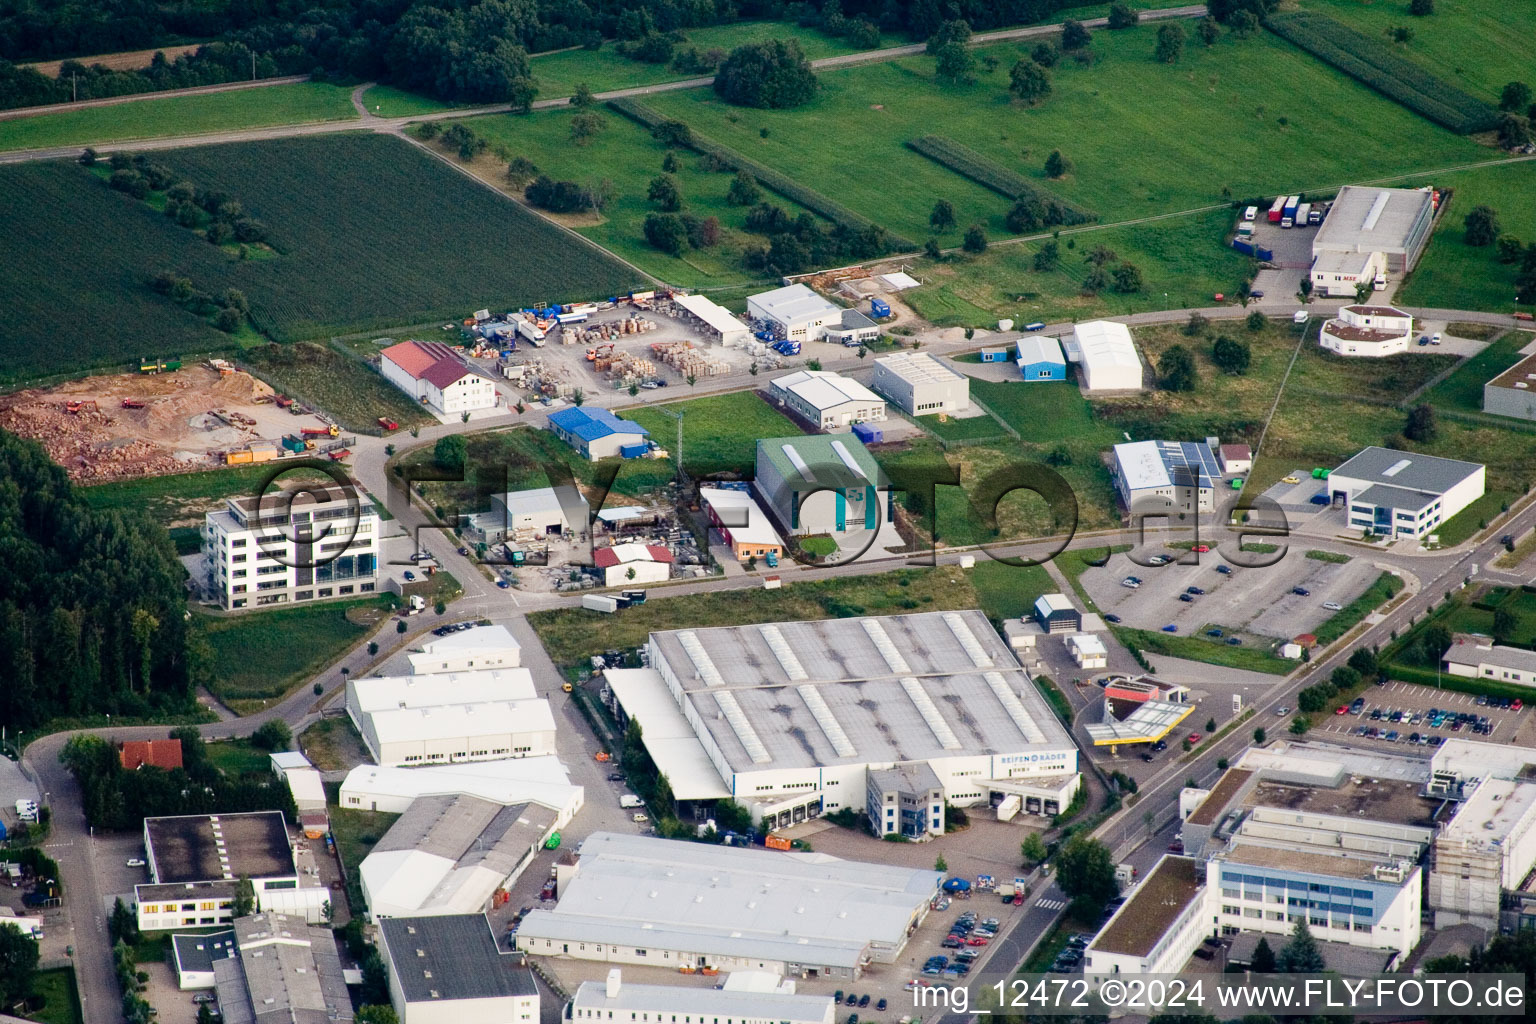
{"x": 1121, "y": 16}
{"x": 975, "y": 239}
{"x": 1370, "y": 61}
{"x": 970, "y": 164}
{"x": 273, "y": 735}
{"x": 769, "y": 75}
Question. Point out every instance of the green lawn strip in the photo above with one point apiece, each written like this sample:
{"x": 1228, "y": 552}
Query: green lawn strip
{"x": 1055, "y": 698}
{"x": 347, "y": 389}
{"x": 182, "y": 498}
{"x": 1045, "y": 411}
{"x": 295, "y": 103}
{"x": 1463, "y": 389}
{"x": 356, "y": 834}
{"x": 720, "y": 432}
{"x": 1382, "y": 589}
{"x": 333, "y": 745}
{"x": 1327, "y": 556}
{"x": 1454, "y": 275}
{"x": 1196, "y": 649}
{"x": 571, "y": 635}
{"x": 817, "y": 546}
{"x": 1476, "y": 516}
{"x": 60, "y": 995}
{"x": 1225, "y": 91}
{"x": 238, "y": 757}
{"x": 255, "y": 659}
{"x": 389, "y": 101}
{"x": 1007, "y": 592}
{"x": 970, "y": 428}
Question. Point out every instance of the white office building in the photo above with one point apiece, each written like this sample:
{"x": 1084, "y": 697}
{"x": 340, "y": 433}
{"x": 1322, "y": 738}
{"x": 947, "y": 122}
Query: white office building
{"x": 287, "y": 546}
{"x": 791, "y": 719}
{"x": 1105, "y": 356}
{"x": 1341, "y": 273}
{"x": 1480, "y": 658}
{"x": 661, "y": 903}
{"x": 1371, "y": 332}
{"x": 449, "y": 970}
{"x": 828, "y": 400}
{"x": 434, "y": 375}
{"x": 438, "y": 719}
{"x": 1158, "y": 928}
{"x": 1486, "y": 849}
{"x": 920, "y": 385}
{"x": 1180, "y": 475}
{"x": 601, "y": 1002}
{"x": 468, "y": 650}
{"x": 794, "y": 312}
{"x": 542, "y": 780}
{"x": 1397, "y": 494}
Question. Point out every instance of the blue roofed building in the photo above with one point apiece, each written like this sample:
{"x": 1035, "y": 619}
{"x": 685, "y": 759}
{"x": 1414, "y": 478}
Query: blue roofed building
{"x": 1041, "y": 359}
{"x": 598, "y": 433}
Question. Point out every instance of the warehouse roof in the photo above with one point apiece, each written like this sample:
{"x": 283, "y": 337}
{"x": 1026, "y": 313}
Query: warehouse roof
{"x": 454, "y": 956}
{"x": 1045, "y": 604}
{"x": 290, "y": 970}
{"x": 196, "y": 953}
{"x": 706, "y": 1002}
{"x": 821, "y": 460}
{"x": 431, "y": 361}
{"x": 1338, "y": 262}
{"x": 540, "y": 779}
{"x": 846, "y": 691}
{"x": 714, "y": 899}
{"x": 714, "y": 315}
{"x": 386, "y": 693}
{"x": 670, "y": 740}
{"x": 1370, "y": 219}
{"x": 793, "y": 303}
{"x": 1395, "y": 497}
{"x": 591, "y": 423}
{"x": 205, "y": 847}
{"x": 1466, "y": 651}
{"x": 733, "y": 506}
{"x": 918, "y": 368}
{"x": 1145, "y": 465}
{"x": 1522, "y": 373}
{"x": 286, "y": 759}
{"x": 1152, "y": 909}
{"x": 544, "y": 500}
{"x": 823, "y": 389}
{"x": 1407, "y": 469}
{"x": 1039, "y": 349}
{"x": 468, "y": 641}
{"x": 447, "y": 721}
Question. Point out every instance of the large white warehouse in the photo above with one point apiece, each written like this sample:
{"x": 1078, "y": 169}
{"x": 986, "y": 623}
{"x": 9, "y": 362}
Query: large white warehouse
{"x": 827, "y": 400}
{"x": 455, "y": 716}
{"x": 1106, "y": 356}
{"x": 467, "y": 651}
{"x": 369, "y": 787}
{"x": 795, "y": 312}
{"x": 920, "y": 385}
{"x": 791, "y": 718}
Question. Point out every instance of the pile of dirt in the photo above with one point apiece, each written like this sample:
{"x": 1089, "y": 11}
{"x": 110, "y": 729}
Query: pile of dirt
{"x": 86, "y": 443}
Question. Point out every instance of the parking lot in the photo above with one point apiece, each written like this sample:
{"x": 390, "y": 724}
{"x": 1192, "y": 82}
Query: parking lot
{"x": 1405, "y": 709}
{"x": 1253, "y": 604}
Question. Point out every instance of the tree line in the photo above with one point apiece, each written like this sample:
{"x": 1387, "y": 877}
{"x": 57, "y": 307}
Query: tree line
{"x": 92, "y": 610}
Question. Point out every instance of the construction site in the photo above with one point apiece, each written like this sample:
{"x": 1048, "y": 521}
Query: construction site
{"x": 167, "y": 418}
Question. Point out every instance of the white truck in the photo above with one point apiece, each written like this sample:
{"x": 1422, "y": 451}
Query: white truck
{"x": 600, "y": 603}
{"x": 630, "y": 800}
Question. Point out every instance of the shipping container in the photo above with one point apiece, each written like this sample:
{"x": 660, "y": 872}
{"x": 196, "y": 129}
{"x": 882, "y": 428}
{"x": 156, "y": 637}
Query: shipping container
{"x": 1277, "y": 210}
{"x": 994, "y": 355}
{"x": 1303, "y": 214}
{"x": 1244, "y": 247}
{"x": 634, "y": 451}
{"x": 1263, "y": 253}
{"x": 867, "y": 433}
{"x": 599, "y": 603}
{"x": 879, "y": 307}
{"x": 777, "y": 843}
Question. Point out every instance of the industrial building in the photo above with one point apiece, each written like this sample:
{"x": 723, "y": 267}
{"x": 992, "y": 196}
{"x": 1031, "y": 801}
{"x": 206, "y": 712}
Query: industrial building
{"x": 1394, "y": 223}
{"x": 1158, "y": 928}
{"x": 821, "y": 484}
{"x": 793, "y": 719}
{"x": 1040, "y": 358}
{"x": 308, "y": 543}
{"x": 449, "y": 854}
{"x": 1371, "y": 332}
{"x": 829, "y": 401}
{"x": 282, "y": 971}
{"x": 1177, "y": 476}
{"x": 456, "y": 716}
{"x": 633, "y": 564}
{"x": 920, "y": 385}
{"x": 1509, "y": 394}
{"x": 532, "y": 515}
{"x": 1057, "y": 614}
{"x": 1336, "y": 274}
{"x": 794, "y": 312}
{"x": 906, "y": 800}
{"x": 540, "y": 780}
{"x": 1236, "y": 459}
{"x": 303, "y": 780}
{"x": 599, "y": 434}
{"x": 434, "y": 375}
{"x": 640, "y": 900}
{"x": 741, "y": 521}
{"x": 599, "y": 1002}
{"x": 1487, "y": 849}
{"x": 1480, "y": 658}
{"x": 448, "y": 970}
{"x": 853, "y": 328}
{"x": 1105, "y": 355}
{"x": 1395, "y": 494}
{"x": 467, "y": 650}
{"x": 196, "y": 860}
{"x": 714, "y": 320}
{"x": 1088, "y": 651}
{"x": 192, "y": 957}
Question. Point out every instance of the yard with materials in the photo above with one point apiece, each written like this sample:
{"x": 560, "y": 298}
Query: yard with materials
{"x": 720, "y": 432}
{"x": 624, "y": 157}
{"x": 1454, "y": 275}
{"x": 1228, "y": 91}
{"x": 253, "y": 659}
{"x": 348, "y": 390}
{"x": 293, "y": 103}
{"x": 427, "y": 244}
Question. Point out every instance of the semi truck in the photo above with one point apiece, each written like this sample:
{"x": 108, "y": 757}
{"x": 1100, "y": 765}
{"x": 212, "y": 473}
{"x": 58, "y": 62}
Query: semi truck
{"x": 1277, "y": 209}
{"x": 1288, "y": 211}
{"x": 600, "y": 603}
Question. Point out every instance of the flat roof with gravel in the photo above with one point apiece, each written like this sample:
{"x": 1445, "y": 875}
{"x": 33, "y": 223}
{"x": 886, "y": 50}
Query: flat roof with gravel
{"x": 1165, "y": 894}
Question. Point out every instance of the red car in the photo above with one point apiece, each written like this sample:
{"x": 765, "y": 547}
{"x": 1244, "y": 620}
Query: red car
{"x": 1201, "y": 548}
{"x": 1342, "y": 710}
{"x": 975, "y": 940}
{"x": 1195, "y": 737}
{"x": 1177, "y": 846}
{"x": 1516, "y": 705}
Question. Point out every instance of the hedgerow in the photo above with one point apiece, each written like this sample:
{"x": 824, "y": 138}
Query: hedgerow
{"x": 766, "y": 176}
{"x": 1371, "y": 62}
{"x": 985, "y": 172}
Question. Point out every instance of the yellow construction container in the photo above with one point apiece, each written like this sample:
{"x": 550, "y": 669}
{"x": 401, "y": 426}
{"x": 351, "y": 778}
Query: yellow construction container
{"x": 237, "y": 458}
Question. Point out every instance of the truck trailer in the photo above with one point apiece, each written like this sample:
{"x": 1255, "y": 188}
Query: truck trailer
{"x": 1288, "y": 212}
{"x": 1276, "y": 209}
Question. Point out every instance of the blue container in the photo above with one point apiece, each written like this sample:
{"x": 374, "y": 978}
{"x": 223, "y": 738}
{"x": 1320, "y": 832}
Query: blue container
{"x": 1263, "y": 254}
{"x": 1246, "y": 248}
{"x": 634, "y": 451}
{"x": 867, "y": 433}
{"x": 879, "y": 307}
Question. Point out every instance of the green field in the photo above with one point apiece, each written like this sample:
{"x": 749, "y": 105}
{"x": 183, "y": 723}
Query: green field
{"x": 388, "y": 101}
{"x": 1043, "y": 411}
{"x": 295, "y": 103}
{"x": 370, "y": 231}
{"x": 720, "y": 432}
{"x": 352, "y": 393}
{"x": 1474, "y": 44}
{"x": 254, "y": 658}
{"x": 1454, "y": 275}
{"x": 1463, "y": 390}
{"x": 1200, "y": 649}
{"x": 969, "y": 428}
{"x": 183, "y": 498}
{"x": 1229, "y": 142}
{"x": 1183, "y": 260}
{"x": 61, "y": 999}
{"x": 625, "y": 156}
{"x": 237, "y": 758}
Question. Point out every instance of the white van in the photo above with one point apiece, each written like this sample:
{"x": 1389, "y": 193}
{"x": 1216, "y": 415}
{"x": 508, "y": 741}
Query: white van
{"x": 1251, "y": 213}
{"x": 1300, "y": 316}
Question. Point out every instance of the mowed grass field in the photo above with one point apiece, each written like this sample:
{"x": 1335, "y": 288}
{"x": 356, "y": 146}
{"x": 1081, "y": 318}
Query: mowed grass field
{"x": 370, "y": 232}
{"x": 1476, "y": 44}
{"x": 183, "y": 498}
{"x": 1454, "y": 275}
{"x": 352, "y": 392}
{"x": 625, "y": 156}
{"x": 1183, "y": 260}
{"x": 1146, "y": 138}
{"x": 293, "y": 103}
{"x": 720, "y": 432}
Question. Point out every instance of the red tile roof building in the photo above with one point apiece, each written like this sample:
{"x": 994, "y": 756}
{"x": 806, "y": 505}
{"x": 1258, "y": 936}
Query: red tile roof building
{"x": 155, "y": 753}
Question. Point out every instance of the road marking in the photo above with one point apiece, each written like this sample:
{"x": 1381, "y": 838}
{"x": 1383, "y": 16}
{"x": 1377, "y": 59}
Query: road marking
{"x": 1050, "y": 904}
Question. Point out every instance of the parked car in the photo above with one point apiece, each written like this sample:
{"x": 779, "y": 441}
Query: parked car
{"x": 1201, "y": 548}
{"x": 1283, "y": 709}
{"x": 135, "y": 862}
{"x": 1148, "y": 757}
{"x": 1333, "y": 606}
{"x": 1342, "y": 709}
{"x": 863, "y": 1000}
{"x": 1213, "y": 632}
{"x": 952, "y": 942}
{"x": 1300, "y": 591}
{"x": 1194, "y": 737}
{"x": 1186, "y": 598}
{"x": 880, "y": 1006}
{"x": 1177, "y": 846}
{"x": 1130, "y": 582}
{"x": 1112, "y": 617}
{"x": 1225, "y": 570}
{"x": 1233, "y": 641}
{"x": 1197, "y": 591}
{"x": 1171, "y": 628}
{"x": 409, "y": 575}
